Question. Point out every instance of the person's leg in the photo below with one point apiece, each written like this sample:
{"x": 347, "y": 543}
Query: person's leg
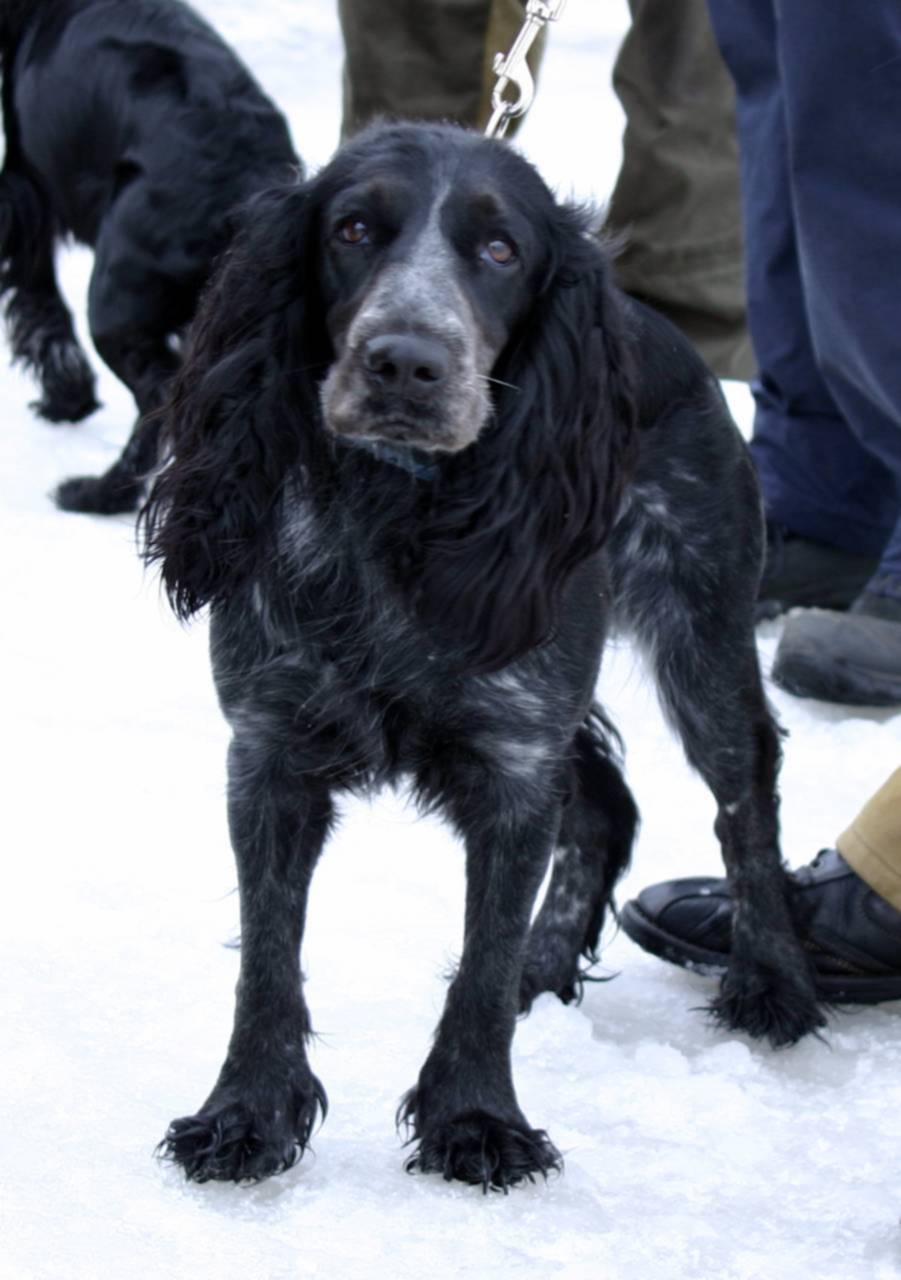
{"x": 837, "y": 480}
{"x": 425, "y": 59}
{"x": 676, "y": 200}
{"x": 820, "y": 475}
{"x": 872, "y": 842}
{"x": 842, "y": 93}
{"x": 846, "y": 903}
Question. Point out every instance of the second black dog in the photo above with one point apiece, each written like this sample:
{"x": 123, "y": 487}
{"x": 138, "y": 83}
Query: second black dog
{"x": 135, "y": 129}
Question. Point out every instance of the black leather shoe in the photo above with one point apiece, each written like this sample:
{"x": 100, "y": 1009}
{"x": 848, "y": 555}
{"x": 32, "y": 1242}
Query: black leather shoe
{"x": 853, "y": 658}
{"x": 853, "y": 935}
{"x": 800, "y": 572}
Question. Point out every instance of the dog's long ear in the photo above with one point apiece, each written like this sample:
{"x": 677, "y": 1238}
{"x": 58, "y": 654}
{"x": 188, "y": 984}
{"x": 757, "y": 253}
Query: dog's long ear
{"x": 239, "y": 412}
{"x": 546, "y": 481}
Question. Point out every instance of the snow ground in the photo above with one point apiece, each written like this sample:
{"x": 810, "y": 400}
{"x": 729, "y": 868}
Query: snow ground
{"x": 689, "y": 1154}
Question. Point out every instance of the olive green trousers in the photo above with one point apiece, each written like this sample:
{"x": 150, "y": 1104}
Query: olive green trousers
{"x": 675, "y": 206}
{"x": 872, "y": 843}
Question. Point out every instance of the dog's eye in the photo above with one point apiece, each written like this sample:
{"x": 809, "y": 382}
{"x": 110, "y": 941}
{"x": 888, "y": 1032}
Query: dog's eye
{"x": 352, "y": 231}
{"x": 500, "y": 252}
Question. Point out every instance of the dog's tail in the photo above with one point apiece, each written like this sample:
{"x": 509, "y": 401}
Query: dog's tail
{"x": 593, "y": 850}
{"x": 40, "y": 326}
{"x": 601, "y": 820}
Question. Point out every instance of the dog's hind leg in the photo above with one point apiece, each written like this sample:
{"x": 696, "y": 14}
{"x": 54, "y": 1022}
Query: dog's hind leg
{"x": 591, "y": 853}
{"x": 135, "y": 305}
{"x": 687, "y": 586}
{"x": 41, "y": 332}
{"x": 731, "y": 739}
{"x": 146, "y": 364}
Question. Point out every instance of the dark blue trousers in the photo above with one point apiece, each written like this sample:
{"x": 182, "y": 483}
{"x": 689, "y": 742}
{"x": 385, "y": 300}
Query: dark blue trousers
{"x": 819, "y": 119}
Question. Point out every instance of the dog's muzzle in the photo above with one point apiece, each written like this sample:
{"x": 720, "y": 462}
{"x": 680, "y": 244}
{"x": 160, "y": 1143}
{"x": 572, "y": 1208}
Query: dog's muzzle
{"x": 407, "y": 365}
{"x": 404, "y": 388}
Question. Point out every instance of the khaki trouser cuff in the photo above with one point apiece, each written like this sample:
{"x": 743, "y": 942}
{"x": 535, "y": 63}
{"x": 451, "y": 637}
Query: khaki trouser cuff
{"x": 872, "y": 843}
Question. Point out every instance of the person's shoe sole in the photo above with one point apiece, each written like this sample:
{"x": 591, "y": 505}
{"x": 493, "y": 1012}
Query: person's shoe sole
{"x": 831, "y": 987}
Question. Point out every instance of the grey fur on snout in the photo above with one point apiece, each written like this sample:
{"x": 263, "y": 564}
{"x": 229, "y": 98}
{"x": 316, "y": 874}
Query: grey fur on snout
{"x": 422, "y": 295}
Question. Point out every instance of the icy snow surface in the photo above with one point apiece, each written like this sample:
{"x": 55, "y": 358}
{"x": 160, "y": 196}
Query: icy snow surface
{"x": 690, "y": 1154}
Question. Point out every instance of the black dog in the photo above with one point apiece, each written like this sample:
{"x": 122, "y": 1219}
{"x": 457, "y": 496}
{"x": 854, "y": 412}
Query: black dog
{"x": 132, "y": 127}
{"x": 422, "y": 453}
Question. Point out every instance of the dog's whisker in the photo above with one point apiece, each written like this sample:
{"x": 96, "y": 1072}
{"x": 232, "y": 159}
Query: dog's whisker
{"x": 498, "y": 382}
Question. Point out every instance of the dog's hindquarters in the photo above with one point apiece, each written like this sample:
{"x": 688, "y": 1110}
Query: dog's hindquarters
{"x": 144, "y": 168}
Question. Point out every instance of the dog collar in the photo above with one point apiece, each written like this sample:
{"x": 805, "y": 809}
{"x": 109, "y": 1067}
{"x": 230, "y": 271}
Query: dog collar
{"x": 403, "y": 458}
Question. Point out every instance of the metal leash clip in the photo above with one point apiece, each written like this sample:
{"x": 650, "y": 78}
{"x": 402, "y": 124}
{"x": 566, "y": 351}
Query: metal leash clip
{"x": 512, "y": 68}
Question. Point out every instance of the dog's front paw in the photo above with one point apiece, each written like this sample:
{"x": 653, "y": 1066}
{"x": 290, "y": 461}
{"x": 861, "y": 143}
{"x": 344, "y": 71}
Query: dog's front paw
{"x": 768, "y": 1005}
{"x": 483, "y": 1150}
{"x": 236, "y": 1140}
{"x": 98, "y": 495}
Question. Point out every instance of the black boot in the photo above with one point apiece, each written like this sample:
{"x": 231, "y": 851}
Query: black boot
{"x": 852, "y": 934}
{"x": 853, "y": 658}
{"x": 800, "y": 572}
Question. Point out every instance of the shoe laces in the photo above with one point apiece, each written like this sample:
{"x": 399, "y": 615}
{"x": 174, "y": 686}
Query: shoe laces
{"x": 801, "y": 875}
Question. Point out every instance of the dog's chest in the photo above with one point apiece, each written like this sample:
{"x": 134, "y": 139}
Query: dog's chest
{"x": 328, "y": 665}
{"x": 324, "y": 655}
{"x": 352, "y": 688}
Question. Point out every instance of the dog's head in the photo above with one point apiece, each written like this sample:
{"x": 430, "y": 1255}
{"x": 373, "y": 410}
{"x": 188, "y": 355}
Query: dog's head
{"x": 424, "y": 294}
{"x": 430, "y": 248}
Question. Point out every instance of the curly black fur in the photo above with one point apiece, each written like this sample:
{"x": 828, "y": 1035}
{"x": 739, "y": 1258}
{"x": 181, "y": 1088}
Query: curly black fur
{"x": 422, "y": 455}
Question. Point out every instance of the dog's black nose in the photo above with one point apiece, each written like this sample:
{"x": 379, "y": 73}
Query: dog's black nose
{"x": 406, "y": 363}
